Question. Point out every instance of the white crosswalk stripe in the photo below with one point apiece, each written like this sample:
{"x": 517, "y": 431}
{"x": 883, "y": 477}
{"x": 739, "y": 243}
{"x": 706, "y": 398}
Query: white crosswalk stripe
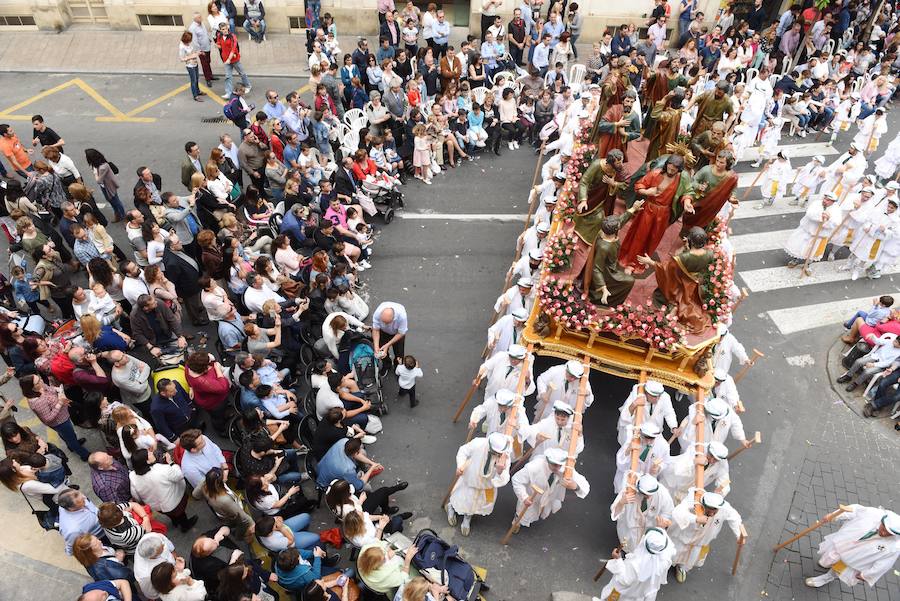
{"x": 793, "y": 303}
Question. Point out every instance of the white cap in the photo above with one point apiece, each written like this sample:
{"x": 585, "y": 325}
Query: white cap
{"x": 891, "y": 521}
{"x": 559, "y": 175}
{"x": 520, "y": 315}
{"x": 868, "y": 189}
{"x": 892, "y": 185}
{"x": 550, "y": 200}
{"x": 854, "y": 146}
{"x": 650, "y": 430}
{"x": 819, "y": 159}
{"x": 535, "y": 254}
{"x": 563, "y": 407}
{"x": 653, "y": 388}
{"x": 647, "y": 485}
{"x": 543, "y": 227}
{"x": 583, "y": 114}
{"x": 504, "y": 397}
{"x": 722, "y": 329}
{"x": 713, "y": 500}
{"x": 829, "y": 196}
{"x": 516, "y": 351}
{"x": 499, "y": 442}
{"x": 525, "y": 282}
{"x": 717, "y": 450}
{"x": 721, "y": 375}
{"x": 556, "y": 456}
{"x": 575, "y": 368}
{"x": 716, "y": 408}
{"x": 655, "y": 540}
{"x": 854, "y": 95}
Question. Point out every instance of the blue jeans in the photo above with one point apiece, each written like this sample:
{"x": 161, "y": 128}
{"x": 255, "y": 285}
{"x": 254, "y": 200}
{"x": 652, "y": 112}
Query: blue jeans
{"x": 256, "y": 35}
{"x": 231, "y": 24}
{"x": 866, "y": 110}
{"x": 849, "y": 322}
{"x": 293, "y": 475}
{"x": 229, "y": 72}
{"x": 194, "y": 76}
{"x": 24, "y": 173}
{"x": 115, "y": 202}
{"x": 66, "y": 431}
{"x": 302, "y": 539}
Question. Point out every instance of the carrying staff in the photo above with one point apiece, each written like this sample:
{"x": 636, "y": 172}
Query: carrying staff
{"x": 693, "y": 533}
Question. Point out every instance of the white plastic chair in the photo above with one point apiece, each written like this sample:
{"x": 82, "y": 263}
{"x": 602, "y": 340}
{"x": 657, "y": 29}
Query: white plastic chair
{"x": 576, "y": 76}
{"x": 478, "y": 94}
{"x": 786, "y": 65}
{"x": 751, "y": 74}
{"x": 355, "y": 116}
{"x": 829, "y": 46}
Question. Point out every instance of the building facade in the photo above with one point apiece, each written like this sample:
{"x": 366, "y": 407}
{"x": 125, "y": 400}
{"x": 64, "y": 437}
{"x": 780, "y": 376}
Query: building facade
{"x": 351, "y": 16}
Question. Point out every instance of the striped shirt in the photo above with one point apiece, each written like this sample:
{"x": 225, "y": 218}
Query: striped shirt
{"x": 127, "y": 534}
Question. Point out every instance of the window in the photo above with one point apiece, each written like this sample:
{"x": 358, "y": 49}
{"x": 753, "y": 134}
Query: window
{"x": 16, "y": 21}
{"x": 161, "y": 20}
{"x": 297, "y": 24}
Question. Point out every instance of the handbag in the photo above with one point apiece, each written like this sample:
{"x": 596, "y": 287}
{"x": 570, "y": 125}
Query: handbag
{"x": 48, "y": 519}
{"x": 193, "y": 224}
{"x": 235, "y": 192}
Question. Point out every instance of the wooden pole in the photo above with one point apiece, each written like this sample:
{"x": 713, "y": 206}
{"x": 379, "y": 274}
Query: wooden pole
{"x": 819, "y": 523}
{"x": 539, "y": 411}
{"x": 470, "y": 434}
{"x": 746, "y": 368}
{"x": 602, "y": 569}
{"x": 740, "y": 547}
{"x": 577, "y": 418}
{"x": 757, "y": 439}
{"x": 518, "y": 464}
{"x": 636, "y": 429}
{"x": 698, "y": 440}
{"x": 758, "y": 175}
{"x": 535, "y": 491}
{"x": 468, "y": 398}
{"x": 520, "y": 387}
{"x": 456, "y": 478}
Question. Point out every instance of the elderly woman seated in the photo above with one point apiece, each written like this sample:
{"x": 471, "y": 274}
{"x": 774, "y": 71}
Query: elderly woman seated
{"x": 383, "y": 570}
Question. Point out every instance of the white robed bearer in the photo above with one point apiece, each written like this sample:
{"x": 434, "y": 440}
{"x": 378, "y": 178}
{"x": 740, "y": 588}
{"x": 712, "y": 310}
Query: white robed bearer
{"x": 519, "y": 296}
{"x": 639, "y": 575}
{"x": 554, "y": 431}
{"x": 503, "y": 370}
{"x": 653, "y": 453}
{"x": 870, "y": 240}
{"x": 561, "y": 383}
{"x": 483, "y": 468}
{"x": 693, "y": 534}
{"x": 639, "y": 507}
{"x": 719, "y": 422}
{"x": 546, "y": 473}
{"x": 678, "y": 474}
{"x": 506, "y": 331}
{"x": 657, "y": 409}
{"x": 807, "y": 181}
{"x": 808, "y": 241}
{"x": 863, "y": 550}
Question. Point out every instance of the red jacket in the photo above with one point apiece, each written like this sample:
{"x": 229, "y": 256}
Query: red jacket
{"x": 371, "y": 169}
{"x": 209, "y": 390}
{"x": 61, "y": 368}
{"x": 227, "y": 44}
{"x": 322, "y": 102}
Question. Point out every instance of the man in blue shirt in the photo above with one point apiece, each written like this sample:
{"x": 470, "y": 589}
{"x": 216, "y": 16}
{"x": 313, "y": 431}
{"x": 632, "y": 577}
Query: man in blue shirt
{"x": 106, "y": 590}
{"x": 554, "y": 26}
{"x": 710, "y": 55}
{"x": 293, "y": 225}
{"x": 292, "y": 151}
{"x": 77, "y": 515}
{"x": 273, "y": 108}
{"x": 541, "y": 57}
{"x": 441, "y": 37}
{"x": 686, "y": 15}
{"x": 172, "y": 409}
{"x": 202, "y": 455}
{"x": 621, "y": 43}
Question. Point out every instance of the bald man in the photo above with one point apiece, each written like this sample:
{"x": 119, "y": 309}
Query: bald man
{"x": 389, "y": 325}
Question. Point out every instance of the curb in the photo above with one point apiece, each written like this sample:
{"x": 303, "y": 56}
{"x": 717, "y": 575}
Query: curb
{"x": 131, "y": 72}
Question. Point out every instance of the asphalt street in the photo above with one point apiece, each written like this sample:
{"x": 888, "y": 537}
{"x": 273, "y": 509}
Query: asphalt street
{"x": 448, "y": 272}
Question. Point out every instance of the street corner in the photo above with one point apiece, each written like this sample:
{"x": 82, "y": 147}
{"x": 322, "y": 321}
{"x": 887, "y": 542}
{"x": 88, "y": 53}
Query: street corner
{"x": 881, "y": 421}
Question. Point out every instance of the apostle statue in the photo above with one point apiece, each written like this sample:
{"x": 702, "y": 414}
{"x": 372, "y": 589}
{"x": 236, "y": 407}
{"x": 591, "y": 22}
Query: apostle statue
{"x": 712, "y": 106}
{"x": 711, "y": 188}
{"x": 708, "y": 144}
{"x": 609, "y": 283}
{"x": 666, "y": 191}
{"x": 618, "y": 126}
{"x": 666, "y": 115}
{"x": 613, "y": 89}
{"x": 679, "y": 281}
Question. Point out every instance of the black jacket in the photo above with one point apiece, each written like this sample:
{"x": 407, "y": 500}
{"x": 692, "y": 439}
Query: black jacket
{"x": 344, "y": 182}
{"x": 182, "y": 274}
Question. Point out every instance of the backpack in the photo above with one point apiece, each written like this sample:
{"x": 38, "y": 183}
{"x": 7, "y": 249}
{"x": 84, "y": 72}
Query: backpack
{"x": 436, "y": 553}
{"x": 232, "y": 110}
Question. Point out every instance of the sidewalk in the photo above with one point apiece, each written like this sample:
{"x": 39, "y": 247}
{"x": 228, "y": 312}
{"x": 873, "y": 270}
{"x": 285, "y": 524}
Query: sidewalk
{"x": 86, "y": 50}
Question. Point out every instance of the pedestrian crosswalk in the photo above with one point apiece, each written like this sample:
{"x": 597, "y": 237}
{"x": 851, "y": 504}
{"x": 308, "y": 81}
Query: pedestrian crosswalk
{"x": 794, "y": 303}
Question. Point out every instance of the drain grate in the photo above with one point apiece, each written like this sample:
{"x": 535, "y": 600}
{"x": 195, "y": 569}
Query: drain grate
{"x": 214, "y": 120}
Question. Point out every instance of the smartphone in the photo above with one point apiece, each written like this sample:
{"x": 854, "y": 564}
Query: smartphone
{"x": 343, "y": 578}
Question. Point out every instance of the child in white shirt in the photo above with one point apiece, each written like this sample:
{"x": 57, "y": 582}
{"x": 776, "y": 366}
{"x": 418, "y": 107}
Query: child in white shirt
{"x": 102, "y": 305}
{"x": 407, "y": 371}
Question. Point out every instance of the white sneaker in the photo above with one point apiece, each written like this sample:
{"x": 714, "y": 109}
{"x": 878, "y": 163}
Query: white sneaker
{"x": 854, "y": 276}
{"x": 360, "y": 267}
{"x": 365, "y": 264}
{"x": 428, "y": 181}
{"x": 247, "y": 89}
{"x": 369, "y": 439}
{"x": 451, "y": 515}
{"x": 466, "y": 526}
{"x": 844, "y": 267}
{"x": 515, "y": 145}
{"x": 510, "y": 145}
{"x": 480, "y": 144}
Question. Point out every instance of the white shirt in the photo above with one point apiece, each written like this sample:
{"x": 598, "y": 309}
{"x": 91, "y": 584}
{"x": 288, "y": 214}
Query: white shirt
{"x": 406, "y": 378}
{"x": 254, "y": 298}
{"x": 162, "y": 487}
{"x": 143, "y": 567}
{"x": 132, "y": 288}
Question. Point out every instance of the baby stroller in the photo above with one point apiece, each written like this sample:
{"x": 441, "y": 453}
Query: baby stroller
{"x": 440, "y": 562}
{"x": 380, "y": 196}
{"x": 365, "y": 365}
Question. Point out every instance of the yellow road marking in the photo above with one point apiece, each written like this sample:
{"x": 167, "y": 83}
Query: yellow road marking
{"x": 304, "y": 88}
{"x": 37, "y": 97}
{"x": 162, "y": 98}
{"x": 212, "y": 95}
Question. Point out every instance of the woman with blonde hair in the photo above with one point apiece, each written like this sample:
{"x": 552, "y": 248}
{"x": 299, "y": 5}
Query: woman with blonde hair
{"x": 217, "y": 183}
{"x": 100, "y": 561}
{"x": 139, "y": 434}
{"x": 362, "y": 529}
{"x": 419, "y": 589}
{"x": 384, "y": 571}
{"x": 103, "y": 338}
{"x": 250, "y": 240}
